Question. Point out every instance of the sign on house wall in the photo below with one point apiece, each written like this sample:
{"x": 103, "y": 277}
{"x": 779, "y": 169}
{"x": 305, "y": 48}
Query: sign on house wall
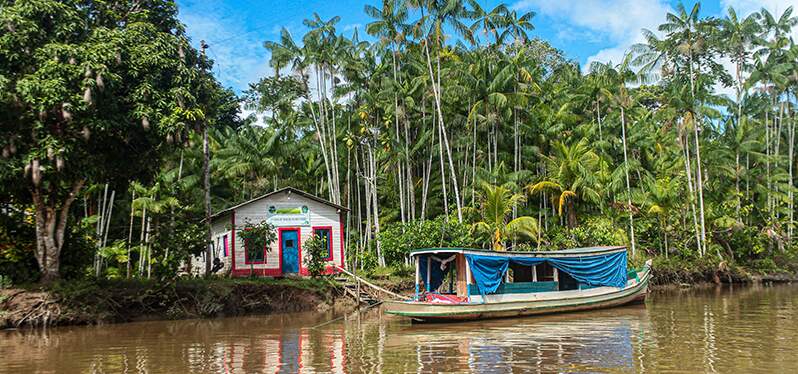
{"x": 288, "y": 215}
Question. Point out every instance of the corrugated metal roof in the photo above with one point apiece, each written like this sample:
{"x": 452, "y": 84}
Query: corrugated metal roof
{"x": 285, "y": 189}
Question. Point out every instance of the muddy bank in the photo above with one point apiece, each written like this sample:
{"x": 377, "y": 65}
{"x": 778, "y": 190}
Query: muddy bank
{"x": 126, "y": 301}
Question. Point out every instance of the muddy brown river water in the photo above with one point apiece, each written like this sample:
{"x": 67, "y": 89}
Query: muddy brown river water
{"x": 725, "y": 330}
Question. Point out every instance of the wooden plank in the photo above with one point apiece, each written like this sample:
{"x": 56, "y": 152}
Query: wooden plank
{"x": 462, "y": 282}
{"x": 374, "y": 286}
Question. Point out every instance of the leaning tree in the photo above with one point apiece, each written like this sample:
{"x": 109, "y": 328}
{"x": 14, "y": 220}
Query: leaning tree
{"x": 90, "y": 91}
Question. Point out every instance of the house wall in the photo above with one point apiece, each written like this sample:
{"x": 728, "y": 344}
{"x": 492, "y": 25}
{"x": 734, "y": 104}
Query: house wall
{"x": 220, "y": 227}
{"x": 321, "y": 215}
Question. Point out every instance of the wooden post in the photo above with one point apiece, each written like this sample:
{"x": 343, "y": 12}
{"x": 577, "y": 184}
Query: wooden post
{"x": 468, "y": 280}
{"x": 534, "y": 273}
{"x": 429, "y": 272}
{"x": 556, "y": 275}
{"x": 418, "y": 275}
{"x": 358, "y": 293}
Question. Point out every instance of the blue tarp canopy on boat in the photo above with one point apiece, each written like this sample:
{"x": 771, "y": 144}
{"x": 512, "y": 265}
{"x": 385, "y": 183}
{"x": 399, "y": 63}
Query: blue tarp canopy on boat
{"x": 599, "y": 266}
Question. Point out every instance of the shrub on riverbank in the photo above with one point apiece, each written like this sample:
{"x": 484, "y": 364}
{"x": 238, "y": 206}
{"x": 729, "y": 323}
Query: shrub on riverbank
{"x": 89, "y": 302}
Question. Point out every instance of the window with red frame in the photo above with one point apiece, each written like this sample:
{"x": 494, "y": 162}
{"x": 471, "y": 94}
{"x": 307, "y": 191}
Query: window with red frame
{"x": 325, "y": 235}
{"x": 254, "y": 257}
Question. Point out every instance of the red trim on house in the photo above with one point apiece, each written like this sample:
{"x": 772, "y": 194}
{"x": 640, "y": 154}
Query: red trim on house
{"x": 233, "y": 239}
{"x": 329, "y": 239}
{"x": 298, "y": 246}
{"x": 341, "y": 221}
{"x": 257, "y": 272}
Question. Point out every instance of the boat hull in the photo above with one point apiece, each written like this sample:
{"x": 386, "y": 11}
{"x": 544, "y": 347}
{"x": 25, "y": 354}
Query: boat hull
{"x": 552, "y": 302}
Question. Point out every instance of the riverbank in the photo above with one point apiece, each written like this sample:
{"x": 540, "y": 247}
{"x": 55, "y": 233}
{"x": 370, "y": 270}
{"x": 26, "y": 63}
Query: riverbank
{"x": 680, "y": 272}
{"x": 98, "y": 302}
{"x": 114, "y": 301}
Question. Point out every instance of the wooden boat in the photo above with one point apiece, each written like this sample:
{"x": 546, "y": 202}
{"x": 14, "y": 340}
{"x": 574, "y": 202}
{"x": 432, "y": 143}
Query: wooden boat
{"x": 486, "y": 284}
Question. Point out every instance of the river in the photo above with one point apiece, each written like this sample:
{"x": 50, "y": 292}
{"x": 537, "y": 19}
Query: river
{"x": 724, "y": 329}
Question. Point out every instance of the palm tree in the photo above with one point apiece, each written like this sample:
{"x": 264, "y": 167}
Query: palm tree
{"x": 517, "y": 27}
{"x": 248, "y": 156}
{"x": 442, "y": 13}
{"x": 570, "y": 176}
{"x": 495, "y": 208}
{"x": 390, "y": 27}
{"x": 739, "y": 36}
{"x": 685, "y": 42}
{"x": 661, "y": 196}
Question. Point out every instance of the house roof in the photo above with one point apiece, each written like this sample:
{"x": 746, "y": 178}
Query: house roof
{"x": 285, "y": 189}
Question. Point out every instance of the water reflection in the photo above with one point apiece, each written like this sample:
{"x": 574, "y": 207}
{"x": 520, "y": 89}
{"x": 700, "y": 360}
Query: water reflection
{"x": 717, "y": 330}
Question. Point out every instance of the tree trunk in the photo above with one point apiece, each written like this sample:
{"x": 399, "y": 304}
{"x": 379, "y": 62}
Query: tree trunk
{"x": 688, "y": 172}
{"x": 130, "y": 231}
{"x": 437, "y": 95}
{"x": 206, "y": 182}
{"x": 571, "y": 213}
{"x": 51, "y": 221}
{"x": 628, "y": 187}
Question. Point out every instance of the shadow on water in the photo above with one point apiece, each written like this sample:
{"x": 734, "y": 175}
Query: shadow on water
{"x": 749, "y": 329}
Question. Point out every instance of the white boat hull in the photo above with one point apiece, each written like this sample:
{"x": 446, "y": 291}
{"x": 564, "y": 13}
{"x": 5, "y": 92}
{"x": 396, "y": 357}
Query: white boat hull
{"x": 514, "y": 305}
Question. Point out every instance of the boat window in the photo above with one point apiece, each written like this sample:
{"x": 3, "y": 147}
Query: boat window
{"x": 545, "y": 272}
{"x": 566, "y": 282}
{"x": 521, "y": 273}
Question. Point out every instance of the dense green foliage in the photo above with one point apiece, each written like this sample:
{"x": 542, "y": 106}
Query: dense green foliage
{"x": 453, "y": 127}
{"x": 646, "y": 152}
{"x": 399, "y": 239}
{"x": 316, "y": 249}
{"x": 90, "y": 92}
{"x": 257, "y": 238}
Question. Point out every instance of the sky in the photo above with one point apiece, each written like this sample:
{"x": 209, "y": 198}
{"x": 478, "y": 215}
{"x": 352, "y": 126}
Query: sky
{"x": 586, "y": 30}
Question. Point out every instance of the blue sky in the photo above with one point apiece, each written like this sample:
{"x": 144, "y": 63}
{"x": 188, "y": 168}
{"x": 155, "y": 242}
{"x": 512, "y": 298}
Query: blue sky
{"x": 586, "y": 30}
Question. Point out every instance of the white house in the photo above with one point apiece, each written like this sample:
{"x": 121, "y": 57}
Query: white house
{"x": 296, "y": 215}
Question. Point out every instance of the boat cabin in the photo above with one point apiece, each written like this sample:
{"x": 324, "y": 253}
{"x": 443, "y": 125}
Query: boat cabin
{"x": 458, "y": 275}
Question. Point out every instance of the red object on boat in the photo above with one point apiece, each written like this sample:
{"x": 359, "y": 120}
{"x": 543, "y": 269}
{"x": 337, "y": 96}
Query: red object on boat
{"x": 443, "y": 299}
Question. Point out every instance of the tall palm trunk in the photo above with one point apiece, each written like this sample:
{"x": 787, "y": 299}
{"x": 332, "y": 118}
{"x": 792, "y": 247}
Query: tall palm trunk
{"x": 444, "y": 137}
{"x": 628, "y": 188}
{"x": 443, "y": 169}
{"x": 206, "y": 182}
{"x": 373, "y": 167}
{"x": 130, "y": 234}
{"x": 699, "y": 178}
{"x": 791, "y": 160}
{"x": 689, "y": 172}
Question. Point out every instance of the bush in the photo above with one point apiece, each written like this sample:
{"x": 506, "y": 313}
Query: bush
{"x": 317, "y": 251}
{"x": 5, "y": 282}
{"x": 398, "y": 239}
{"x": 593, "y": 231}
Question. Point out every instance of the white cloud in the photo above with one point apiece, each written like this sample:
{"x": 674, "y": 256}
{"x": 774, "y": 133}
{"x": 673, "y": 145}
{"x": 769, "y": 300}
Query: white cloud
{"x": 619, "y": 21}
{"x": 617, "y": 18}
{"x": 246, "y": 113}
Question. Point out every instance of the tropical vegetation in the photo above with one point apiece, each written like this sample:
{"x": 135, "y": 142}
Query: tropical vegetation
{"x": 443, "y": 117}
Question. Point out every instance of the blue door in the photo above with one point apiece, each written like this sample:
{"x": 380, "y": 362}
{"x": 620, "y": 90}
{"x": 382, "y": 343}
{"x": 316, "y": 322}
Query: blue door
{"x": 289, "y": 242}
